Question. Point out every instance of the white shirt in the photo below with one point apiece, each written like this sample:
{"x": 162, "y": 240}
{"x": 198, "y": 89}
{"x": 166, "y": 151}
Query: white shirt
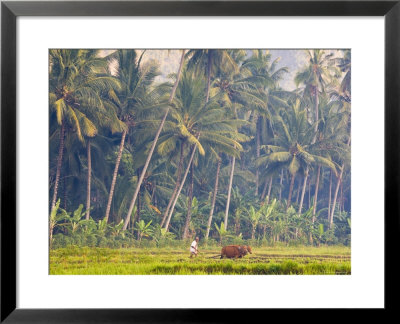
{"x": 193, "y": 246}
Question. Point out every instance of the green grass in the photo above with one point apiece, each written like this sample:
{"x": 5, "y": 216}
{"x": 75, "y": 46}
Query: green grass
{"x": 152, "y": 261}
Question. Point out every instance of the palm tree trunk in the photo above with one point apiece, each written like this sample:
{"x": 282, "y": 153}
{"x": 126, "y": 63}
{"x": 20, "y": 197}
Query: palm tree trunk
{"x": 303, "y": 190}
{"x": 341, "y": 197}
{"x": 298, "y": 192}
{"x": 330, "y": 196}
{"x": 146, "y": 165}
{"x": 89, "y": 179}
{"x": 316, "y": 194}
{"x": 153, "y": 192}
{"x": 339, "y": 180}
{"x": 137, "y": 218}
{"x": 229, "y": 193}
{"x": 65, "y": 192}
{"x": 280, "y": 186}
{"x": 264, "y": 192}
{"x": 336, "y": 191}
{"x": 59, "y": 163}
{"x": 177, "y": 183}
{"x": 208, "y": 74}
{"x": 316, "y": 113}
{"x": 257, "y": 153}
{"x": 180, "y": 188}
{"x": 214, "y": 198}
{"x": 114, "y": 179}
{"x": 290, "y": 192}
{"x": 269, "y": 190}
{"x": 190, "y": 199}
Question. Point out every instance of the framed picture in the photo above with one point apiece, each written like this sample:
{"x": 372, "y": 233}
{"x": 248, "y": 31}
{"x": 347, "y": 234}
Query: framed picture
{"x": 33, "y": 291}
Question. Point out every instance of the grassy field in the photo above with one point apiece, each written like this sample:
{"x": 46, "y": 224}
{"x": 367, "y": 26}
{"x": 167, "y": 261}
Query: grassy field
{"x": 151, "y": 261}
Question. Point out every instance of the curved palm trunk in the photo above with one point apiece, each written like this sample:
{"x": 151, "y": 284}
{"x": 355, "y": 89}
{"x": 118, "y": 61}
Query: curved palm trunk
{"x": 190, "y": 199}
{"x": 316, "y": 194}
{"x": 146, "y": 165}
{"x": 339, "y": 180}
{"x": 213, "y": 200}
{"x": 180, "y": 188}
{"x": 89, "y": 180}
{"x": 229, "y": 193}
{"x": 290, "y": 192}
{"x": 177, "y": 183}
{"x": 114, "y": 179}
{"x": 59, "y": 163}
{"x": 303, "y": 191}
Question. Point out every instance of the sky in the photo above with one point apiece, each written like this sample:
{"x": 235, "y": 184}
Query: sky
{"x": 294, "y": 59}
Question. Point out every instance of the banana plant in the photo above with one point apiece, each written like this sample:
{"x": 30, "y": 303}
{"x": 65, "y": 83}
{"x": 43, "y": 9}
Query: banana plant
{"x": 222, "y": 232}
{"x": 75, "y": 220}
{"x": 102, "y": 227}
{"x": 57, "y": 215}
{"x": 161, "y": 235}
{"x": 117, "y": 230}
{"x": 88, "y": 226}
{"x": 266, "y": 211}
{"x": 143, "y": 229}
{"x": 254, "y": 217}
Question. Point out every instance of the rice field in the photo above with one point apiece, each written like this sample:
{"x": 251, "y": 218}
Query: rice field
{"x": 164, "y": 261}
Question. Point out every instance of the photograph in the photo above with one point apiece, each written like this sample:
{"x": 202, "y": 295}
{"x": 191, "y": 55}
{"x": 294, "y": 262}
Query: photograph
{"x": 199, "y": 161}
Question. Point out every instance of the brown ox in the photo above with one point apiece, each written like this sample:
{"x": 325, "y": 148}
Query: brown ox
{"x": 235, "y": 251}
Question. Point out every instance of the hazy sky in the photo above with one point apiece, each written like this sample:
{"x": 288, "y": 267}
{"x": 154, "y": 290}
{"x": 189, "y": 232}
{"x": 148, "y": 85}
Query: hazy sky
{"x": 293, "y": 59}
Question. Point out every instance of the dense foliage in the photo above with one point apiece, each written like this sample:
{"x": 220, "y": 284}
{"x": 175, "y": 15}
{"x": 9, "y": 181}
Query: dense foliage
{"x": 220, "y": 150}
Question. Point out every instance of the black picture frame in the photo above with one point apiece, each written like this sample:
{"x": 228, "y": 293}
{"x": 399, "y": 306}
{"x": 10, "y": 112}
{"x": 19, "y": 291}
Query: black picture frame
{"x": 10, "y": 10}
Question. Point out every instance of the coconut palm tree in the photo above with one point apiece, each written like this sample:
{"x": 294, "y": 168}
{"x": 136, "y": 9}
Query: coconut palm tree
{"x": 343, "y": 150}
{"x": 332, "y": 133}
{"x": 150, "y": 154}
{"x": 265, "y": 77}
{"x": 77, "y": 80}
{"x": 212, "y": 61}
{"x": 316, "y": 76}
{"x": 292, "y": 149}
{"x": 237, "y": 91}
{"x": 134, "y": 97}
{"x": 192, "y": 121}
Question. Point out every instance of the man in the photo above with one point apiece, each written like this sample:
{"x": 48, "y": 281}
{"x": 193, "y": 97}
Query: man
{"x": 193, "y": 247}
